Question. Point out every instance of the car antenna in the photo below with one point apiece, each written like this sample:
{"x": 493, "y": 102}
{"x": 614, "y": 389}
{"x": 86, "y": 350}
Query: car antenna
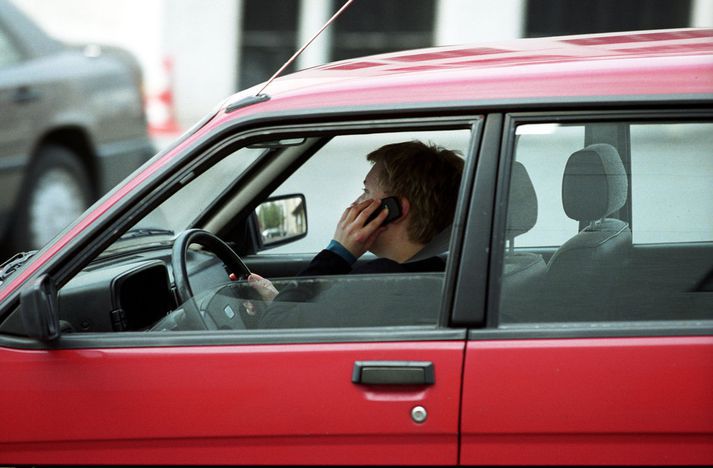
{"x": 260, "y": 96}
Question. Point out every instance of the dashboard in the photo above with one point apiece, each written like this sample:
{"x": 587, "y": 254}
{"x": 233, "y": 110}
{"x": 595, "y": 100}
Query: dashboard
{"x": 131, "y": 292}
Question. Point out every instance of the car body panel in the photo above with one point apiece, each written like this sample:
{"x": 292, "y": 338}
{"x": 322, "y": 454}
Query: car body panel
{"x": 614, "y": 400}
{"x": 677, "y": 64}
{"x": 298, "y": 400}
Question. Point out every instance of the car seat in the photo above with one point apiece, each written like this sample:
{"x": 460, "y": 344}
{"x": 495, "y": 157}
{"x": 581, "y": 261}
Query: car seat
{"x": 523, "y": 272}
{"x": 583, "y": 270}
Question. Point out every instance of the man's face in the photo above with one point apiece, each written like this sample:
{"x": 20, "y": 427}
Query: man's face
{"x": 372, "y": 189}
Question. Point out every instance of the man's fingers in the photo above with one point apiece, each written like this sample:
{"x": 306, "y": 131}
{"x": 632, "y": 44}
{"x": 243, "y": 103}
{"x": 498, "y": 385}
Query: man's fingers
{"x": 366, "y": 211}
{"x": 376, "y": 222}
{"x": 373, "y": 226}
{"x": 356, "y": 209}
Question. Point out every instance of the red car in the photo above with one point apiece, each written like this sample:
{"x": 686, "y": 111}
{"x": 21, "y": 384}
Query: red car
{"x": 573, "y": 323}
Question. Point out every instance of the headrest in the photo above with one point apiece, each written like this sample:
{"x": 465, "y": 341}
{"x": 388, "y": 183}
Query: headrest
{"x": 522, "y": 205}
{"x": 594, "y": 183}
{"x": 438, "y": 245}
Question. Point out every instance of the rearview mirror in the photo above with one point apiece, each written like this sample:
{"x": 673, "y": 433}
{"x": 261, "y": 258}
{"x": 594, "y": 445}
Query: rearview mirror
{"x": 40, "y": 316}
{"x": 282, "y": 220}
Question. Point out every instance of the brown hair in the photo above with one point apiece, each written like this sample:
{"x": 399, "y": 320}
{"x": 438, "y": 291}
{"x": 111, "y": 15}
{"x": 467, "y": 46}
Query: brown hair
{"x": 428, "y": 176}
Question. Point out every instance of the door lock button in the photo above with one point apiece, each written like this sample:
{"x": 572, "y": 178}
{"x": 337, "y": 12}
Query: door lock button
{"x": 419, "y": 414}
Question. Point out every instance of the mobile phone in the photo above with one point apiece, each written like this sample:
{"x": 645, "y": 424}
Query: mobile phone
{"x": 394, "y": 210}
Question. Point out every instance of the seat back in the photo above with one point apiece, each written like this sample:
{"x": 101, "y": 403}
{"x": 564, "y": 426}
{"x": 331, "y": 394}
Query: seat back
{"x": 522, "y": 215}
{"x": 523, "y": 272}
{"x": 438, "y": 247}
{"x": 594, "y": 185}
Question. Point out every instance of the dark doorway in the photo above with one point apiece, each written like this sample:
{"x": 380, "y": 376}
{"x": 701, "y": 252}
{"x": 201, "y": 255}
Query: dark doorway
{"x": 563, "y": 17}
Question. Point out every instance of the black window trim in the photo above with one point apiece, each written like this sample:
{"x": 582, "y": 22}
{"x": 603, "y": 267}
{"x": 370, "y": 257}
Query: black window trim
{"x": 492, "y": 329}
{"x": 477, "y": 197}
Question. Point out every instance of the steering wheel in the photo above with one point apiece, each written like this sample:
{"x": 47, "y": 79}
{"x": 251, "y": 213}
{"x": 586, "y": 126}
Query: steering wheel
{"x": 194, "y": 319}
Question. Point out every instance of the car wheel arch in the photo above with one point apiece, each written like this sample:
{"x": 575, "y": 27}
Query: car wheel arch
{"x": 78, "y": 141}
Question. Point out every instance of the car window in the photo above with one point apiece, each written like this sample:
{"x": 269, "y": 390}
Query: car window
{"x": 544, "y": 149}
{"x": 144, "y": 282}
{"x": 338, "y": 169}
{"x": 8, "y": 52}
{"x": 183, "y": 207}
{"x": 379, "y": 300}
{"x": 663, "y": 210}
{"x": 572, "y": 253}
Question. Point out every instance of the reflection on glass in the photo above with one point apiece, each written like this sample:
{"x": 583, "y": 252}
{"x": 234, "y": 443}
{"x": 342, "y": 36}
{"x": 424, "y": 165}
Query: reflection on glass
{"x": 282, "y": 218}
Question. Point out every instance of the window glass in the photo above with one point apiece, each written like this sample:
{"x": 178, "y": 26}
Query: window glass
{"x": 672, "y": 183}
{"x": 339, "y": 169}
{"x": 8, "y": 53}
{"x": 338, "y": 301}
{"x": 150, "y": 279}
{"x": 380, "y": 26}
{"x": 268, "y": 39}
{"x": 564, "y": 17}
{"x": 544, "y": 149}
{"x": 183, "y": 207}
{"x": 574, "y": 254}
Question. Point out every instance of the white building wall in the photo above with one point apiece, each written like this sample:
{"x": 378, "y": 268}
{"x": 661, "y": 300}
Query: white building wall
{"x": 464, "y": 21}
{"x": 201, "y": 39}
{"x": 702, "y": 13}
{"x": 313, "y": 15}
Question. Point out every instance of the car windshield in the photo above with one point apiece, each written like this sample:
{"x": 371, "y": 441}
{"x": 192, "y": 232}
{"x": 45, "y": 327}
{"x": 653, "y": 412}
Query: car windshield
{"x": 180, "y": 210}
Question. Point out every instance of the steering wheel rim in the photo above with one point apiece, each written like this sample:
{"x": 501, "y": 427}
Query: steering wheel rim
{"x": 179, "y": 264}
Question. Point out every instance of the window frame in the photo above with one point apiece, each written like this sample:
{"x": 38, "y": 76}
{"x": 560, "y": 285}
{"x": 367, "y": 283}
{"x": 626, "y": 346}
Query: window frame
{"x": 215, "y": 145}
{"x": 543, "y": 330}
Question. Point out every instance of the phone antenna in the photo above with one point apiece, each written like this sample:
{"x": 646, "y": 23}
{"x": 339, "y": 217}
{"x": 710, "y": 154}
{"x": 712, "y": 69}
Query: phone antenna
{"x": 297, "y": 54}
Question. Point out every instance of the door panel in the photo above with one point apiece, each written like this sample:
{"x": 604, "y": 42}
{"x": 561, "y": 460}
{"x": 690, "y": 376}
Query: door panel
{"x": 614, "y": 400}
{"x": 251, "y": 404}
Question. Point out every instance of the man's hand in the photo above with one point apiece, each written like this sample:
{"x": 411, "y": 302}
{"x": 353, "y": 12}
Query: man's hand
{"x": 263, "y": 287}
{"x": 351, "y": 231}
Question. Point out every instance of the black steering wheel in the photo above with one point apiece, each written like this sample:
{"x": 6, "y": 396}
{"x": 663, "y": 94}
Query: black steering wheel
{"x": 193, "y": 318}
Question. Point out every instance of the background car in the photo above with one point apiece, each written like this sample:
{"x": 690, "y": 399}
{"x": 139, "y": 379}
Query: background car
{"x": 72, "y": 125}
{"x": 573, "y": 323}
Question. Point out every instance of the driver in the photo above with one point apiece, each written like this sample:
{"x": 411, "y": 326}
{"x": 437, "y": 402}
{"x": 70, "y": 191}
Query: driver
{"x": 424, "y": 179}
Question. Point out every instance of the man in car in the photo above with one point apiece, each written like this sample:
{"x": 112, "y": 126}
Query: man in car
{"x": 424, "y": 179}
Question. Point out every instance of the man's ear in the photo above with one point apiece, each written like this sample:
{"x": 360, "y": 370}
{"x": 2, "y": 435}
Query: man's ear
{"x": 405, "y": 208}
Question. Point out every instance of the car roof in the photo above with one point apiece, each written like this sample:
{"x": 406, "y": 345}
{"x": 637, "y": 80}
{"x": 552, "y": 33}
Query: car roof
{"x": 644, "y": 63}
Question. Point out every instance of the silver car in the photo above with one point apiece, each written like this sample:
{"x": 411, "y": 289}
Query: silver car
{"x": 72, "y": 125}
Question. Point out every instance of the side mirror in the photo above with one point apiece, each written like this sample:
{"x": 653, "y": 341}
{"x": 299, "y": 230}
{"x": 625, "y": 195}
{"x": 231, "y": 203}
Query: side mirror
{"x": 281, "y": 220}
{"x": 40, "y": 316}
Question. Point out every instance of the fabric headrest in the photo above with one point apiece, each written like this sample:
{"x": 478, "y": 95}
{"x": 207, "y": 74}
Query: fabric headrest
{"x": 438, "y": 246}
{"x": 594, "y": 183}
{"x": 522, "y": 205}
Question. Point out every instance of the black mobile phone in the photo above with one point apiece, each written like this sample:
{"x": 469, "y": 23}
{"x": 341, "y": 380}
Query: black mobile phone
{"x": 394, "y": 210}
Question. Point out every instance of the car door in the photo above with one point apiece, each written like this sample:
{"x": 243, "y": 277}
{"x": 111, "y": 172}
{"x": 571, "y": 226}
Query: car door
{"x": 352, "y": 395}
{"x": 199, "y": 402}
{"x": 597, "y": 352}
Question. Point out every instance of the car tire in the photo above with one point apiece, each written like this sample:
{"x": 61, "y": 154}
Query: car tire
{"x": 57, "y": 190}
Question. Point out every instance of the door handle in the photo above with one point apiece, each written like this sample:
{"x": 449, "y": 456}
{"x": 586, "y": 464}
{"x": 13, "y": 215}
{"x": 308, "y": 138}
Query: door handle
{"x": 393, "y": 373}
{"x": 26, "y": 94}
